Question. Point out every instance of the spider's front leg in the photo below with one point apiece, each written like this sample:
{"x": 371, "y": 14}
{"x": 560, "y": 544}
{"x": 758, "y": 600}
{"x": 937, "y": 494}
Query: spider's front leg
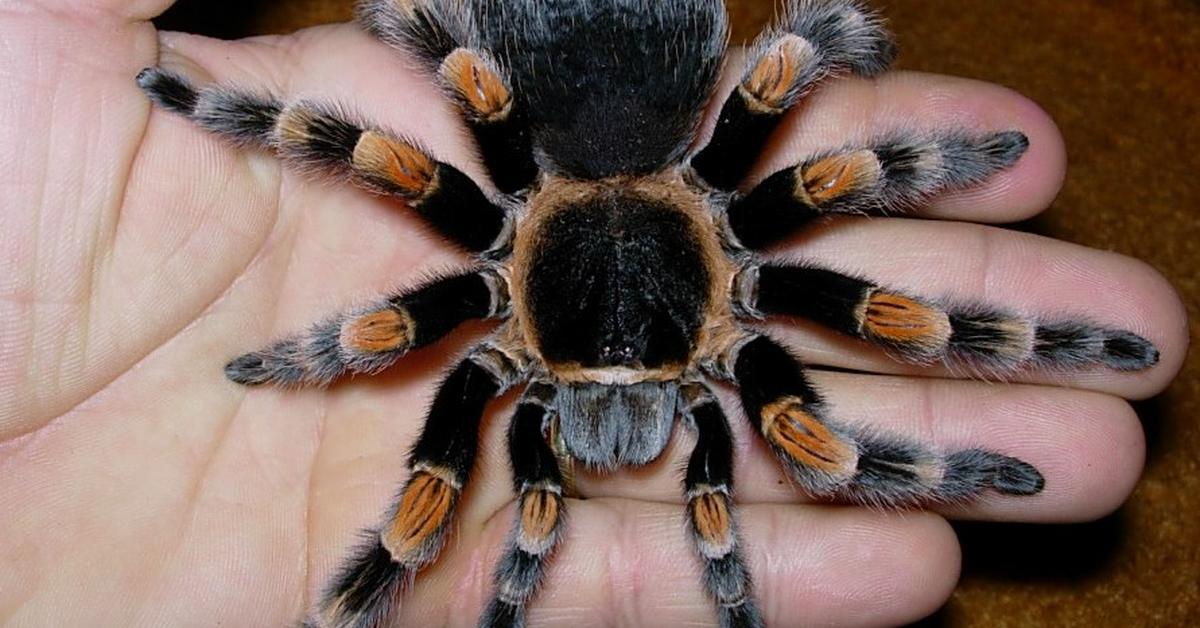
{"x": 364, "y": 591}
{"x": 434, "y": 33}
{"x": 984, "y": 339}
{"x": 708, "y": 488}
{"x": 537, "y": 530}
{"x": 829, "y": 458}
{"x": 369, "y": 339}
{"x": 889, "y": 175}
{"x": 324, "y": 139}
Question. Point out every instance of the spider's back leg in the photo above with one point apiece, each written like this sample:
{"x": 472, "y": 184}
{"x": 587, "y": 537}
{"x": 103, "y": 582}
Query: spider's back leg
{"x": 365, "y": 590}
{"x": 708, "y": 488}
{"x": 891, "y": 174}
{"x": 984, "y": 339}
{"x": 829, "y": 458}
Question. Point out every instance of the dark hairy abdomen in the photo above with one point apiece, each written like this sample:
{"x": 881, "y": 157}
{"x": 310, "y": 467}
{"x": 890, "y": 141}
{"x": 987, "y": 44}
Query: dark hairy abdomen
{"x": 611, "y": 86}
{"x": 617, "y": 280}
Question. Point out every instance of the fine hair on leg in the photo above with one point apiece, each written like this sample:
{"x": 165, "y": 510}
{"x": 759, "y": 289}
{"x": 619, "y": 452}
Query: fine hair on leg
{"x": 813, "y": 40}
{"x": 370, "y": 338}
{"x": 890, "y": 175}
{"x": 832, "y": 459}
{"x": 325, "y": 140}
{"x": 708, "y": 489}
{"x": 541, "y": 514}
{"x": 982, "y": 339}
{"x": 364, "y": 591}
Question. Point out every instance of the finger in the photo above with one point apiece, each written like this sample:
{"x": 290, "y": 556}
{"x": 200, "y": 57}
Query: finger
{"x": 631, "y": 563}
{"x": 127, "y": 9}
{"x": 1028, "y": 274}
{"x": 851, "y": 112}
{"x": 1088, "y": 446}
{"x": 71, "y": 122}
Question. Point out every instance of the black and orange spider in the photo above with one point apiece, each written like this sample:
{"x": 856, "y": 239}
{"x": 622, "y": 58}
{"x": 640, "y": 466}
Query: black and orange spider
{"x": 625, "y": 265}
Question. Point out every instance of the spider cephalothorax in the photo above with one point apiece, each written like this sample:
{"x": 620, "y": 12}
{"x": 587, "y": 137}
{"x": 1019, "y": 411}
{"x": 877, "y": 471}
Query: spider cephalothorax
{"x": 624, "y": 266}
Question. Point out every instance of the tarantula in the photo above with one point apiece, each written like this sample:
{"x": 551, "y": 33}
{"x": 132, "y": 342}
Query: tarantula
{"x": 624, "y": 264}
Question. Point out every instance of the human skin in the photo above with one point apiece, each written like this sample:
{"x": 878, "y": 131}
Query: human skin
{"x": 138, "y": 254}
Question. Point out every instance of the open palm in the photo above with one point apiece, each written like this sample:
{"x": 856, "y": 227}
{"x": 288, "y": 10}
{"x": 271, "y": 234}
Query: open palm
{"x": 137, "y": 255}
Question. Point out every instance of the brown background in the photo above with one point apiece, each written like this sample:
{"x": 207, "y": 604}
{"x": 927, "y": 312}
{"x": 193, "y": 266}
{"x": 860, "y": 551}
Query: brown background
{"x": 1121, "y": 79}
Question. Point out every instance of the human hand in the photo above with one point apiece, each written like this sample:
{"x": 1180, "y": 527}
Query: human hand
{"x": 141, "y": 487}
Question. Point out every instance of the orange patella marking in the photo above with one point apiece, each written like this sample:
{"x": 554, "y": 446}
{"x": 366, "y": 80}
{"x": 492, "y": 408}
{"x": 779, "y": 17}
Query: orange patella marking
{"x": 385, "y": 330}
{"x": 775, "y": 77}
{"x": 901, "y": 319}
{"x": 710, "y": 514}
{"x": 539, "y": 515}
{"x": 838, "y": 175}
{"x": 423, "y": 509}
{"x": 804, "y": 438}
{"x": 395, "y": 162}
{"x": 480, "y": 87}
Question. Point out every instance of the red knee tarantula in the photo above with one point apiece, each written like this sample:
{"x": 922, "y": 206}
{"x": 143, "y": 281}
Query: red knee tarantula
{"x": 622, "y": 265}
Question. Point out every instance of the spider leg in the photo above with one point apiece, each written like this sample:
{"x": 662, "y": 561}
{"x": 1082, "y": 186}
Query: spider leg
{"x": 813, "y": 39}
{"x": 471, "y": 76}
{"x": 708, "y": 487}
{"x": 364, "y": 591}
{"x": 920, "y": 331}
{"x": 832, "y": 459}
{"x": 369, "y": 339}
{"x": 320, "y": 138}
{"x": 484, "y": 96}
{"x": 892, "y": 174}
{"x": 538, "y": 481}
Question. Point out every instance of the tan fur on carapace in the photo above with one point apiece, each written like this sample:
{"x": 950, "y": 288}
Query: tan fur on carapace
{"x": 719, "y": 329}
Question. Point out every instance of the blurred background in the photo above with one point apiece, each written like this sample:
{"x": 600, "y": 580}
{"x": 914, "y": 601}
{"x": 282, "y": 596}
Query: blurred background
{"x": 1122, "y": 79}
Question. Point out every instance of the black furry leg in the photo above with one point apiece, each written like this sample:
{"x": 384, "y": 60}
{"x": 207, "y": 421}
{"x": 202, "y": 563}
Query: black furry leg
{"x": 708, "y": 487}
{"x": 436, "y": 33}
{"x": 364, "y": 592}
{"x": 979, "y": 338}
{"x": 499, "y": 124}
{"x": 537, "y": 530}
{"x": 812, "y": 40}
{"x": 427, "y": 29}
{"x": 831, "y": 459}
{"x": 371, "y": 338}
{"x": 890, "y": 175}
{"x": 325, "y": 139}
